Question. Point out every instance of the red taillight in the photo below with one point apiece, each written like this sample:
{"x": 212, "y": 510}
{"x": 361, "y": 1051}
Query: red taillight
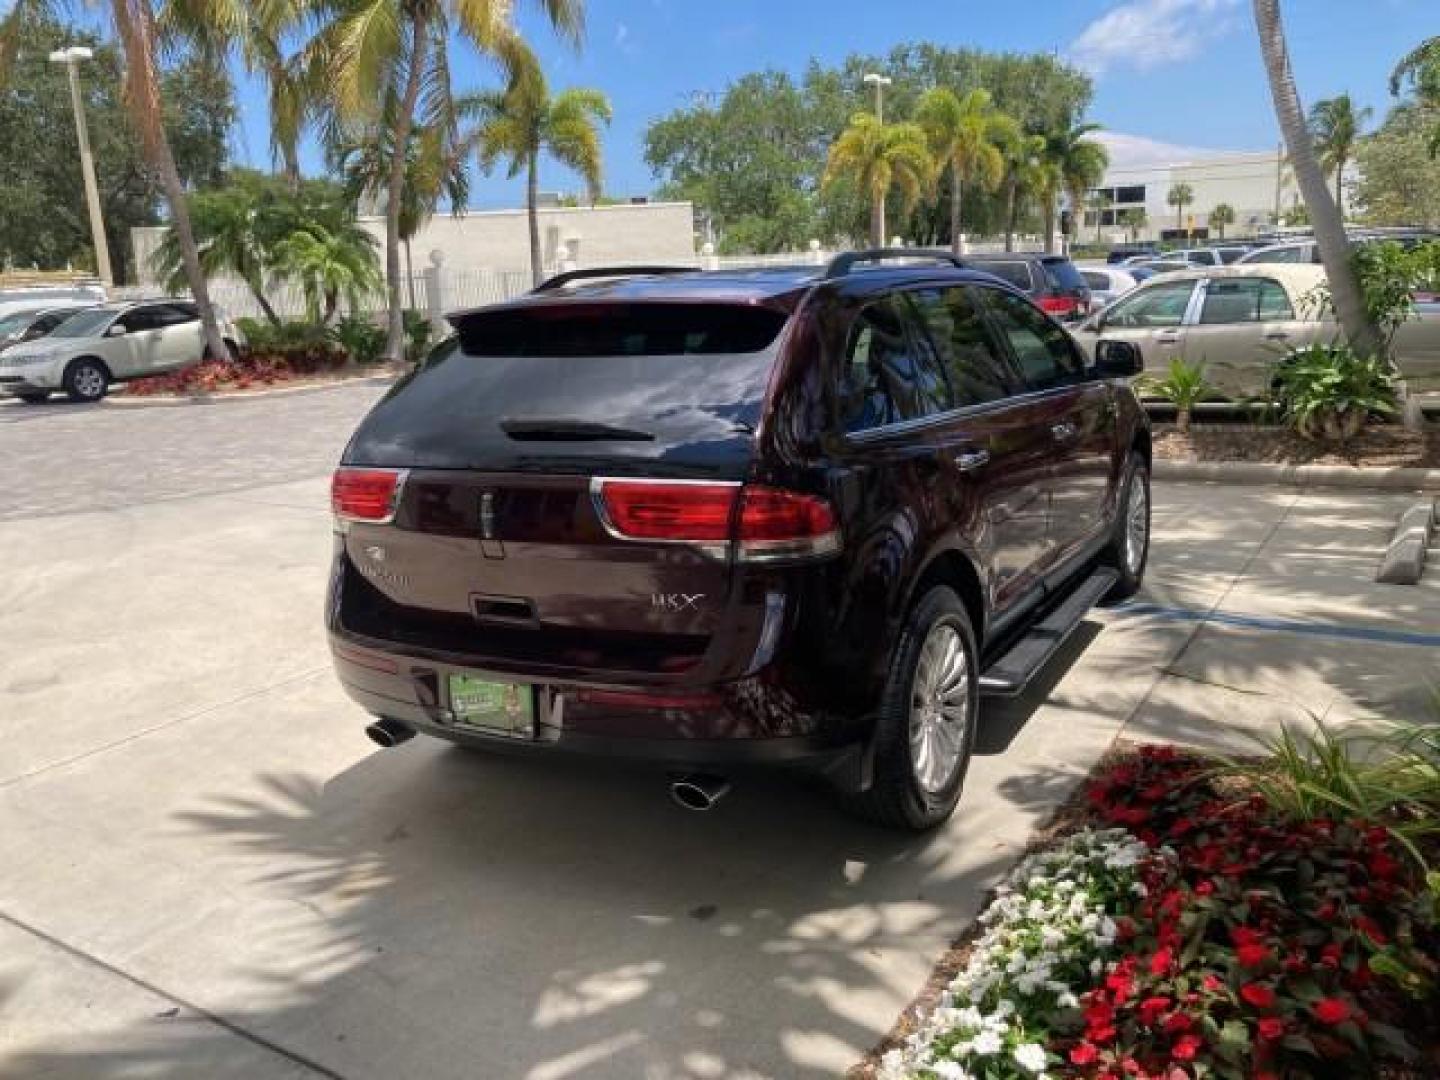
{"x": 369, "y": 495}
{"x": 668, "y": 510}
{"x": 1058, "y": 305}
{"x": 772, "y": 523}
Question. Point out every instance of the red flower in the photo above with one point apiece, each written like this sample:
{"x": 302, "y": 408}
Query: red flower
{"x": 1212, "y": 983}
{"x": 1151, "y": 1008}
{"x": 1120, "y": 983}
{"x": 1383, "y": 866}
{"x": 1205, "y": 888}
{"x": 1331, "y": 954}
{"x": 1258, "y": 994}
{"x": 1252, "y": 955}
{"x": 1271, "y": 1028}
{"x": 1370, "y": 929}
{"x": 1186, "y": 1046}
{"x": 1160, "y": 962}
{"x": 1178, "y": 1022}
{"x": 1331, "y": 1011}
{"x": 1084, "y": 1054}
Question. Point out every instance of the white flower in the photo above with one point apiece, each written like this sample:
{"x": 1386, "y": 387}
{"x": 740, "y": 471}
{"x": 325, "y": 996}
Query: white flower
{"x": 987, "y": 1043}
{"x": 1030, "y": 1056}
{"x": 949, "y": 1070}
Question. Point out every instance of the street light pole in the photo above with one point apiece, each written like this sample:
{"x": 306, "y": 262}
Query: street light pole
{"x": 879, "y": 81}
{"x": 71, "y": 58}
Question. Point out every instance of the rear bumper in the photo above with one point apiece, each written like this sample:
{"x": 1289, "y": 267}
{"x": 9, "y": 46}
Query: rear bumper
{"x": 740, "y": 730}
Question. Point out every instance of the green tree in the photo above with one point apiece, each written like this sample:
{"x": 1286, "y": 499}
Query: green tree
{"x": 1221, "y": 216}
{"x": 390, "y": 58}
{"x": 1081, "y": 163}
{"x": 1420, "y": 70}
{"x": 524, "y": 121}
{"x": 1134, "y": 221}
{"x": 1180, "y": 196}
{"x": 1329, "y": 226}
{"x": 877, "y": 157}
{"x": 329, "y": 264}
{"x": 964, "y": 132}
{"x": 43, "y": 220}
{"x": 1098, "y": 203}
{"x": 1397, "y": 173}
{"x": 1026, "y": 174}
{"x": 1335, "y": 126}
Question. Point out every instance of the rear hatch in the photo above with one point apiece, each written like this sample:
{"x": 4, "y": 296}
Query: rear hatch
{"x": 508, "y": 543}
{"x": 1066, "y": 295}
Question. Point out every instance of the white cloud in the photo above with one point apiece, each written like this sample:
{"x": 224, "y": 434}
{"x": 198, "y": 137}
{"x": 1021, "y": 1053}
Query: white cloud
{"x": 1139, "y": 152}
{"x": 622, "y": 40}
{"x": 1147, "y": 34}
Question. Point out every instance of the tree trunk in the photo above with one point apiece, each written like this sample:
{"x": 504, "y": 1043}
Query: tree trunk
{"x": 332, "y": 300}
{"x": 135, "y": 22}
{"x": 1012, "y": 211}
{"x": 1325, "y": 217}
{"x": 395, "y": 332}
{"x": 410, "y": 275}
{"x": 954, "y": 210}
{"x": 1339, "y": 190}
{"x": 263, "y": 303}
{"x": 532, "y": 210}
{"x": 1050, "y": 224}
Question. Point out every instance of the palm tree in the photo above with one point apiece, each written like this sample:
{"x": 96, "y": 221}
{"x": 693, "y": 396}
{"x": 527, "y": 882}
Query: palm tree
{"x": 1421, "y": 68}
{"x": 373, "y": 49}
{"x": 1099, "y": 202}
{"x": 964, "y": 132}
{"x": 1335, "y": 126}
{"x": 1180, "y": 196}
{"x": 1081, "y": 162}
{"x": 1329, "y": 226}
{"x": 230, "y": 235}
{"x": 523, "y": 121}
{"x": 328, "y": 264}
{"x": 434, "y": 172}
{"x": 1222, "y": 215}
{"x": 1134, "y": 220}
{"x": 1024, "y": 173}
{"x": 136, "y": 25}
{"x": 876, "y": 157}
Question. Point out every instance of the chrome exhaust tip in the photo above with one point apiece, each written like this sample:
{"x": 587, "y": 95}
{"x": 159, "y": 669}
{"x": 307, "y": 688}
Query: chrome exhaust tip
{"x": 389, "y": 733}
{"x": 696, "y": 791}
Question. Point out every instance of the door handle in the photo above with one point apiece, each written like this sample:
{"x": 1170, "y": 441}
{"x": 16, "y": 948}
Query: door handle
{"x": 1063, "y": 431}
{"x": 1167, "y": 339}
{"x": 970, "y": 460}
{"x": 1277, "y": 335}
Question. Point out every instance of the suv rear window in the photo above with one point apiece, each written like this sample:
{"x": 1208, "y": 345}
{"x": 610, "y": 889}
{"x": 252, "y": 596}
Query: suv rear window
{"x": 608, "y": 329}
{"x": 1016, "y": 273}
{"x": 1063, "y": 275}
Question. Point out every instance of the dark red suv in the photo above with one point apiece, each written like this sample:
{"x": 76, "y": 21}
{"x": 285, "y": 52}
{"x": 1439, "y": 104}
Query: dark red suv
{"x": 805, "y": 516}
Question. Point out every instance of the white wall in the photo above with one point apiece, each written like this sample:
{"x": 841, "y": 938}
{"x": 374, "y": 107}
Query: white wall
{"x": 1246, "y": 181}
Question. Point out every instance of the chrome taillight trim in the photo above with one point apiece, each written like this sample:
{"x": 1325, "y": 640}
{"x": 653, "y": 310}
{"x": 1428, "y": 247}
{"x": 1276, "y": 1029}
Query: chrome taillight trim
{"x": 401, "y": 477}
{"x": 715, "y": 549}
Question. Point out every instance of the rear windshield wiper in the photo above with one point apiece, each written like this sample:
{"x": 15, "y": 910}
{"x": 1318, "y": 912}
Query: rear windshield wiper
{"x": 542, "y": 430}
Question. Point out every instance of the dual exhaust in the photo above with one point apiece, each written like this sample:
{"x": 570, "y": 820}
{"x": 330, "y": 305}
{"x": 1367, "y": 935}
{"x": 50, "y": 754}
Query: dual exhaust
{"x": 691, "y": 791}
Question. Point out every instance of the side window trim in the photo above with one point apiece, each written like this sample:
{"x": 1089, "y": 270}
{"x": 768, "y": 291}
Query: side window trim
{"x": 1196, "y": 303}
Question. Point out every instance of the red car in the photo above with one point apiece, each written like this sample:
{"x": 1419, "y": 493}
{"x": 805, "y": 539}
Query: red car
{"x": 802, "y": 516}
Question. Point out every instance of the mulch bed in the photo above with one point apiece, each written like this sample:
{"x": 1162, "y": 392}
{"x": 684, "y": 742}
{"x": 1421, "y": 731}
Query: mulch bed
{"x": 1388, "y": 446}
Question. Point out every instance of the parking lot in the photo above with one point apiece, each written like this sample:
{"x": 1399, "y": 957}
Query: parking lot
{"x": 210, "y": 871}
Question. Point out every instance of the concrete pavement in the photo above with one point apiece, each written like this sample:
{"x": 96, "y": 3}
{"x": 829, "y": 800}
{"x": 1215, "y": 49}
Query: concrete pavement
{"x": 210, "y": 872}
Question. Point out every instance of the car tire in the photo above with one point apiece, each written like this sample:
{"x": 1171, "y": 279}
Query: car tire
{"x": 922, "y": 746}
{"x": 86, "y": 380}
{"x": 34, "y": 397}
{"x": 1129, "y": 547}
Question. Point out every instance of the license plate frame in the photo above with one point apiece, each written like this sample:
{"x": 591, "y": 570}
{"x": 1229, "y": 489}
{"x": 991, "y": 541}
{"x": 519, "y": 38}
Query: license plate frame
{"x": 491, "y": 707}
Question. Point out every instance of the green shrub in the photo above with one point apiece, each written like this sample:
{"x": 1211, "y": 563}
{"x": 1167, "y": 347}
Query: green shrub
{"x": 418, "y": 332}
{"x": 360, "y": 338}
{"x": 1328, "y": 391}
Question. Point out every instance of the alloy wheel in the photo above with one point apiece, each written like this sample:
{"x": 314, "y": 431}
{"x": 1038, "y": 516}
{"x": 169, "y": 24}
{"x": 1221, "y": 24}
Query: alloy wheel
{"x": 939, "y": 708}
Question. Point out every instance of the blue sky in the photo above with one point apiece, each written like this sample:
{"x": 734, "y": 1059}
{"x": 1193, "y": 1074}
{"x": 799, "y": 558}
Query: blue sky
{"x": 1183, "y": 72}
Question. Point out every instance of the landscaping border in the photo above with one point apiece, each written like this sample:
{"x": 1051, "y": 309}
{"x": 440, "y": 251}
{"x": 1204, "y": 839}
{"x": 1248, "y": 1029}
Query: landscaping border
{"x": 1400, "y": 478}
{"x": 169, "y": 401}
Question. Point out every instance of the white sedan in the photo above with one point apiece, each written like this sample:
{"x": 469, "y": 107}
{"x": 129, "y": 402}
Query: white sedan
{"x": 106, "y": 344}
{"x": 1107, "y": 283}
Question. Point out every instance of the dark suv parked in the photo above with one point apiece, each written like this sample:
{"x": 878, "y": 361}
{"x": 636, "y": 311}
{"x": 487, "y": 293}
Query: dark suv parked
{"x": 803, "y": 516}
{"x": 1052, "y": 281}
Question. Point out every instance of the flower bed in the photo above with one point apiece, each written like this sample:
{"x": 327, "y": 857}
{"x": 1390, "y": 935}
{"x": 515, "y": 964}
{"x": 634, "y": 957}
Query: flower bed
{"x": 1208, "y": 938}
{"x": 250, "y": 371}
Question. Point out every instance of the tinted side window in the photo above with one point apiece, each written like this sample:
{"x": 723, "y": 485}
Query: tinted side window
{"x": 139, "y": 319}
{"x": 1016, "y": 273}
{"x": 173, "y": 314}
{"x": 885, "y": 377}
{"x": 1244, "y": 300}
{"x": 972, "y": 360}
{"x": 1041, "y": 349}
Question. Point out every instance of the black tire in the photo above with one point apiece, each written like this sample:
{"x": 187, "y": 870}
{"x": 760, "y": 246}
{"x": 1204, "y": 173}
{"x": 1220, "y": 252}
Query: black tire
{"x": 33, "y": 397}
{"x": 1135, "y": 483}
{"x": 86, "y": 380}
{"x": 897, "y": 797}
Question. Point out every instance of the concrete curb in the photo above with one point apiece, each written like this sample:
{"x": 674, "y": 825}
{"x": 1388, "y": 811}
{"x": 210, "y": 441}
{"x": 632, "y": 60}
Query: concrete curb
{"x": 1404, "y": 560}
{"x": 170, "y": 401}
{"x": 1260, "y": 472}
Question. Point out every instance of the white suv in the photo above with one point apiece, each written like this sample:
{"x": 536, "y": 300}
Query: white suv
{"x": 106, "y": 344}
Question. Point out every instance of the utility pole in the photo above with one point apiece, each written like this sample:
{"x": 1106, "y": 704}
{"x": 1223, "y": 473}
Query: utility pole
{"x": 71, "y": 58}
{"x": 879, "y": 81}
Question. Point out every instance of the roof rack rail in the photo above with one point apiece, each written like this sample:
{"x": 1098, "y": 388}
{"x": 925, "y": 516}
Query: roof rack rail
{"x": 842, "y": 264}
{"x": 559, "y": 281}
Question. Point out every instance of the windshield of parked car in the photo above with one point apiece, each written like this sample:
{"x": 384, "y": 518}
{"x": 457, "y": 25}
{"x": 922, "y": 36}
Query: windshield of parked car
{"x": 85, "y": 324}
{"x": 1063, "y": 275}
{"x": 1162, "y": 304}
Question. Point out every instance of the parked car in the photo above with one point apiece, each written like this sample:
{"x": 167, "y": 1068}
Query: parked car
{"x": 803, "y": 515}
{"x": 1107, "y": 283}
{"x": 1211, "y": 255}
{"x": 1052, "y": 281}
{"x": 26, "y": 297}
{"x": 109, "y": 343}
{"x": 1240, "y": 320}
{"x": 27, "y": 324}
{"x": 1124, "y": 252}
{"x": 1163, "y": 266}
{"x": 1306, "y": 250}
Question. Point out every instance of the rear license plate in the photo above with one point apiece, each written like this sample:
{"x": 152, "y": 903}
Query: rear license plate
{"x": 492, "y": 707}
